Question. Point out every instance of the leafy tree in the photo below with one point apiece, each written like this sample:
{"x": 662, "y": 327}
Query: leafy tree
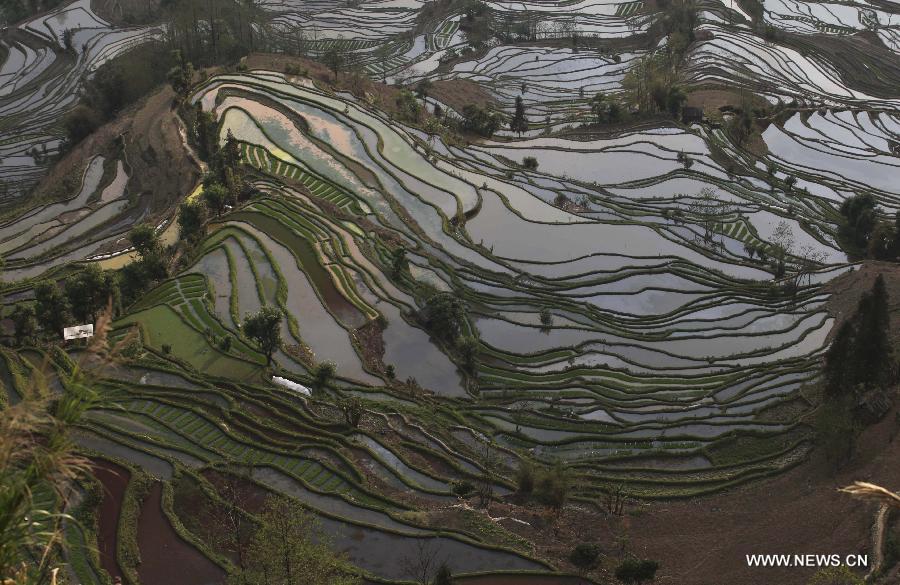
{"x": 399, "y": 263}
{"x": 634, "y": 571}
{"x": 546, "y": 317}
{"x": 324, "y": 373}
{"x": 525, "y": 476}
{"x": 480, "y": 120}
{"x": 264, "y": 327}
{"x": 89, "y": 291}
{"x": 51, "y": 307}
{"x": 519, "y": 122}
{"x": 585, "y": 555}
{"x": 859, "y": 215}
{"x": 81, "y": 123}
{"x": 408, "y": 106}
{"x": 873, "y": 345}
{"x": 192, "y": 220}
{"x": 207, "y": 139}
{"x": 23, "y": 318}
{"x": 553, "y": 487}
{"x": 675, "y": 100}
{"x": 530, "y": 163}
{"x": 860, "y": 354}
{"x": 443, "y": 576}
{"x": 423, "y": 88}
{"x": 468, "y": 348}
{"x": 291, "y": 547}
{"x": 180, "y": 77}
{"x": 600, "y": 107}
{"x": 444, "y": 314}
{"x": 353, "y": 410}
{"x": 215, "y": 196}
{"x": 145, "y": 241}
{"x": 335, "y": 59}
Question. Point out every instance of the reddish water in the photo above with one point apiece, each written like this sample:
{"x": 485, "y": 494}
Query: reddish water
{"x": 165, "y": 557}
{"x": 114, "y": 480}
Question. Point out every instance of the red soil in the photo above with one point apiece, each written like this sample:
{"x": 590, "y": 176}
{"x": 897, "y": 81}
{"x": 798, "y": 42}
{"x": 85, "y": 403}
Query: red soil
{"x": 165, "y": 557}
{"x": 114, "y": 479}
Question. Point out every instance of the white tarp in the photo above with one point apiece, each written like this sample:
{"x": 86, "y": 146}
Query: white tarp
{"x": 291, "y": 385}
{"x": 78, "y": 332}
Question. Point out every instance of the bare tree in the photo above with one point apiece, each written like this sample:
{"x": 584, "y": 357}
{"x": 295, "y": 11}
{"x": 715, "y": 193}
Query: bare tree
{"x": 424, "y": 561}
{"x": 709, "y": 211}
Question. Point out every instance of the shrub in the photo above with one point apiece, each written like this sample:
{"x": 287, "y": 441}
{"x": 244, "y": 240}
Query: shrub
{"x": 462, "y": 488}
{"x": 634, "y": 571}
{"x": 584, "y": 556}
{"x": 525, "y": 477}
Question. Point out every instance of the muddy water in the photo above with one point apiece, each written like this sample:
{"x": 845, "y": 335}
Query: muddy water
{"x": 165, "y": 557}
{"x": 114, "y": 480}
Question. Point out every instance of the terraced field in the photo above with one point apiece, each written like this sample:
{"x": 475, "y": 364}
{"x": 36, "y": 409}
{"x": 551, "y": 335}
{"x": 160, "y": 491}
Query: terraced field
{"x": 620, "y": 299}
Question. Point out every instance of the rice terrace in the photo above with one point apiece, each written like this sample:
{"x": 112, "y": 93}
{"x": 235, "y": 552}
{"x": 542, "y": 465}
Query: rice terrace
{"x": 473, "y": 292}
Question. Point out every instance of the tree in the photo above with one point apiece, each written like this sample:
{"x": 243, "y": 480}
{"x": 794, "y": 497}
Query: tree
{"x": 335, "y": 59}
{"x": 443, "y": 576}
{"x": 444, "y": 314}
{"x": 530, "y": 163}
{"x": 553, "y": 486}
{"x": 859, "y": 213}
{"x": 24, "y": 322}
{"x": 207, "y": 140}
{"x": 145, "y": 241}
{"x": 584, "y": 556}
{"x": 291, "y": 547}
{"x": 422, "y": 89}
{"x": 468, "y": 348}
{"x": 399, "y": 263}
{"x": 481, "y": 121}
{"x": 423, "y": 563}
{"x": 264, "y": 327}
{"x": 89, "y": 291}
{"x": 408, "y": 106}
{"x": 181, "y": 76}
{"x": 81, "y": 123}
{"x": 634, "y": 571}
{"x": 215, "y": 196}
{"x": 600, "y": 107}
{"x": 675, "y": 100}
{"x": 353, "y": 410}
{"x": 51, "y": 307}
{"x": 873, "y": 344}
{"x": 519, "y": 122}
{"x": 525, "y": 477}
{"x": 191, "y": 221}
{"x": 546, "y": 317}
{"x": 782, "y": 246}
{"x": 231, "y": 524}
{"x": 323, "y": 374}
